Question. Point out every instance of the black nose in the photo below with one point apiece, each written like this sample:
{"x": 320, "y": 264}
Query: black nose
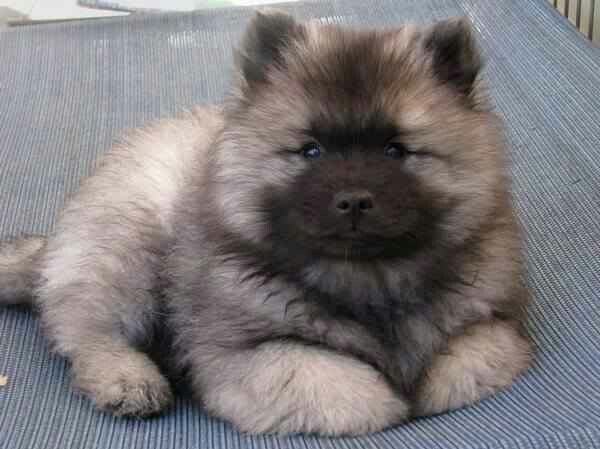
{"x": 353, "y": 202}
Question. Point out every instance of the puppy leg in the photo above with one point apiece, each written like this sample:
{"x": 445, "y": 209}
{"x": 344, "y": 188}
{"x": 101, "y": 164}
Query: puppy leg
{"x": 289, "y": 387}
{"x": 98, "y": 310}
{"x": 476, "y": 365}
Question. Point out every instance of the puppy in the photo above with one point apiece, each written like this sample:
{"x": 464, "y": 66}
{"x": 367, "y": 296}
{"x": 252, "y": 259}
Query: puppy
{"x": 333, "y": 251}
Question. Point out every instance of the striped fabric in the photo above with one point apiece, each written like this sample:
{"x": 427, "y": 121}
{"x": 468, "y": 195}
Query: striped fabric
{"x": 67, "y": 90}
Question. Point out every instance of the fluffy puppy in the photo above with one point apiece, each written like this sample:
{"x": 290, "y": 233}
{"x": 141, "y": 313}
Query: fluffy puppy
{"x": 333, "y": 251}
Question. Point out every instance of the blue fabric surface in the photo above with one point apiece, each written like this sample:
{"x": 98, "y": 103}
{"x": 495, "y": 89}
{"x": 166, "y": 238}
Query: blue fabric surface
{"x": 68, "y": 90}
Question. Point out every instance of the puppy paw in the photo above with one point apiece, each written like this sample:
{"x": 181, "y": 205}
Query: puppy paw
{"x": 479, "y": 363}
{"x": 134, "y": 397}
{"x": 290, "y": 388}
{"x": 132, "y": 386}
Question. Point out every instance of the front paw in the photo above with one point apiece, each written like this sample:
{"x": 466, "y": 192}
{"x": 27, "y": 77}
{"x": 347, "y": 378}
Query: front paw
{"x": 294, "y": 388}
{"x": 477, "y": 364}
{"x": 131, "y": 386}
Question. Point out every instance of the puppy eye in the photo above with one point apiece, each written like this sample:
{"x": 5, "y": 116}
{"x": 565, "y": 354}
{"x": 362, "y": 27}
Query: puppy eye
{"x": 395, "y": 151}
{"x": 311, "y": 151}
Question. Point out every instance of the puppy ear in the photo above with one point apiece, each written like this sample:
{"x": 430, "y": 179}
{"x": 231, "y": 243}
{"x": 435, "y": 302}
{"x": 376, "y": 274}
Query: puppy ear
{"x": 269, "y": 33}
{"x": 456, "y": 57}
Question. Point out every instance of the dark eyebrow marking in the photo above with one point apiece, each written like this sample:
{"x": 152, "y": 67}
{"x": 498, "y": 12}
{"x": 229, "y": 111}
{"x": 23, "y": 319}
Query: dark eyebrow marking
{"x": 353, "y": 130}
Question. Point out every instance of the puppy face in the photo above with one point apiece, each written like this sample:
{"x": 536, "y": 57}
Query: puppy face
{"x": 357, "y": 144}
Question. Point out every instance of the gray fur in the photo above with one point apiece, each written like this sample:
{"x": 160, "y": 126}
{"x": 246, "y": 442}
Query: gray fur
{"x": 186, "y": 249}
{"x": 19, "y": 269}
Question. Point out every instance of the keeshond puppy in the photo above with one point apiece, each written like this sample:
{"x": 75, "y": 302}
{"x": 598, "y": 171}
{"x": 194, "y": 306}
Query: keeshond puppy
{"x": 333, "y": 250}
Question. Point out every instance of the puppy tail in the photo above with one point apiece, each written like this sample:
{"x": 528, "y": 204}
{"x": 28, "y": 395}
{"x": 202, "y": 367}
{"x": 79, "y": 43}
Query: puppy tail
{"x": 19, "y": 269}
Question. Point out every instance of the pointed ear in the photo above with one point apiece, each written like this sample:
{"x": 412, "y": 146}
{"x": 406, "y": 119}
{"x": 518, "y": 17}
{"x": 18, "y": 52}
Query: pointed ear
{"x": 269, "y": 33}
{"x": 456, "y": 57}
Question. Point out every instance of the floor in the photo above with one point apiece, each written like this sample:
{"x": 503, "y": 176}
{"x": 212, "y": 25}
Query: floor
{"x": 43, "y": 10}
{"x": 53, "y": 9}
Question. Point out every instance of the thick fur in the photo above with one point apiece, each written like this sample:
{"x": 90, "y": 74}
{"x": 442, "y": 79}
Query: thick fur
{"x": 285, "y": 386}
{"x": 476, "y": 364}
{"x": 213, "y": 239}
{"x": 19, "y": 269}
